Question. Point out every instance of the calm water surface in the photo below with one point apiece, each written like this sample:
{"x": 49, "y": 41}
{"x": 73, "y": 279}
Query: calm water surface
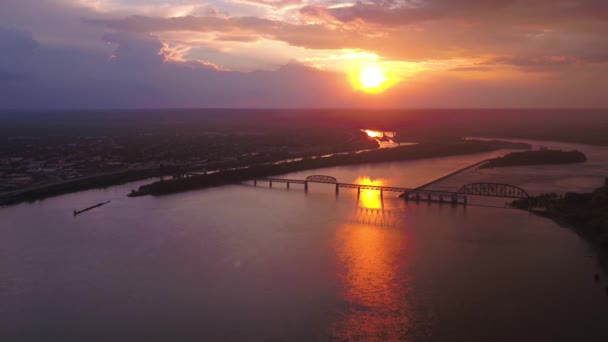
{"x": 241, "y": 263}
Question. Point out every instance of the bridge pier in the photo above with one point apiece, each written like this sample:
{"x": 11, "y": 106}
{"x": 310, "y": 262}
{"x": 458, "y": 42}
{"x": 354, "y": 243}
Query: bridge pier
{"x": 270, "y": 184}
{"x": 255, "y": 182}
{"x": 287, "y": 185}
{"x": 380, "y": 194}
{"x": 358, "y": 192}
{"x": 306, "y": 186}
{"x": 337, "y": 189}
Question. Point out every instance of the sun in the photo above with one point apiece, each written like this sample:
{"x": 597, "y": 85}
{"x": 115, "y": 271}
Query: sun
{"x": 372, "y": 78}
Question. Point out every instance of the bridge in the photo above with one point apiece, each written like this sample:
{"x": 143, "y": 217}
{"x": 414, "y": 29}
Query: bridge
{"x": 455, "y": 197}
{"x": 493, "y": 190}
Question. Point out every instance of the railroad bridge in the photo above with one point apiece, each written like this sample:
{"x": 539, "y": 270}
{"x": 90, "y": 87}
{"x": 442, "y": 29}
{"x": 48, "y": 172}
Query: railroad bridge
{"x": 455, "y": 197}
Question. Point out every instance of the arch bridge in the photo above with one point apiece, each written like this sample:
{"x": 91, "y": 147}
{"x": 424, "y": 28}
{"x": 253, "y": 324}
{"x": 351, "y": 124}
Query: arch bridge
{"x": 493, "y": 190}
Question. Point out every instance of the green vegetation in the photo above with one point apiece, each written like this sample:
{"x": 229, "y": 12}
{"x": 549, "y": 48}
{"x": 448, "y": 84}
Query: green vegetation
{"x": 586, "y": 212}
{"x": 538, "y": 157}
{"x": 425, "y": 150}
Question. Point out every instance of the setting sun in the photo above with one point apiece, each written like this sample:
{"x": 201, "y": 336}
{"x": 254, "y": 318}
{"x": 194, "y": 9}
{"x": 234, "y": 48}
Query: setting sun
{"x": 372, "y": 78}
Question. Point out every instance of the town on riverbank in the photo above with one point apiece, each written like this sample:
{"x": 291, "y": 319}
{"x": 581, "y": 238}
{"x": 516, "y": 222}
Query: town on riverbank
{"x": 46, "y": 154}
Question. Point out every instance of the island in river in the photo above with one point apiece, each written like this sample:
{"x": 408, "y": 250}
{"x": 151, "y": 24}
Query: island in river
{"x": 536, "y": 157}
{"x": 401, "y": 153}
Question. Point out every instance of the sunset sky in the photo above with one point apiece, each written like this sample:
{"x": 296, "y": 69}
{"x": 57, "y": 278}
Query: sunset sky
{"x": 303, "y": 53}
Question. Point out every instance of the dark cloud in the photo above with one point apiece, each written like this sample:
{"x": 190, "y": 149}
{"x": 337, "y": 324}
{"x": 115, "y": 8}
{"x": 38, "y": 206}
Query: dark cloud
{"x": 11, "y": 76}
{"x": 136, "y": 50}
{"x": 18, "y": 48}
{"x": 400, "y": 13}
{"x": 17, "y": 45}
{"x": 138, "y": 76}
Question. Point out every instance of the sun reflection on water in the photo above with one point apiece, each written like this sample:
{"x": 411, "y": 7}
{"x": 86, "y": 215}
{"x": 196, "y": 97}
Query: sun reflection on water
{"x": 371, "y": 272}
{"x": 370, "y": 198}
{"x": 372, "y": 134}
{"x": 372, "y": 258}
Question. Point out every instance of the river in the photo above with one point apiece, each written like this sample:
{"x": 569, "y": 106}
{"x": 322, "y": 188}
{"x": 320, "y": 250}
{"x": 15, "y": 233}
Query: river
{"x": 244, "y": 263}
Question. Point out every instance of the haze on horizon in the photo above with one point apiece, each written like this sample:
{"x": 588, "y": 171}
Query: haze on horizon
{"x": 68, "y": 54}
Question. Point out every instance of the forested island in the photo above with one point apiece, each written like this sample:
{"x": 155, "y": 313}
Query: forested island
{"x": 587, "y": 213}
{"x": 402, "y": 153}
{"x": 537, "y": 157}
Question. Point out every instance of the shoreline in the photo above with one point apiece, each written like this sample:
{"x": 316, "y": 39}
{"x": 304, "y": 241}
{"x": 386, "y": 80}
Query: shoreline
{"x": 80, "y": 184}
{"x": 433, "y": 150}
{"x": 583, "y": 213}
{"x": 601, "y": 253}
{"x": 401, "y": 153}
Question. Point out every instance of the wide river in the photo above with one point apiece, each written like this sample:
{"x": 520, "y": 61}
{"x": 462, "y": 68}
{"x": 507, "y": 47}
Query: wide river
{"x": 244, "y": 263}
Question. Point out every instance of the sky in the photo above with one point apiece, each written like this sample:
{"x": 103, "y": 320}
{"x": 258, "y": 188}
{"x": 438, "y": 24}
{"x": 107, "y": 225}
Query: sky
{"x": 103, "y": 54}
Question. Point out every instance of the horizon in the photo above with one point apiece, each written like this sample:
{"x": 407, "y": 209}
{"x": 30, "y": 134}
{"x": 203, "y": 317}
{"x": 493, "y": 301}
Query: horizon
{"x": 375, "y": 109}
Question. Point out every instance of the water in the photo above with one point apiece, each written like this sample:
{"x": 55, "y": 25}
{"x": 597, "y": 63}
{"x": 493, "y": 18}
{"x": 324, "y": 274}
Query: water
{"x": 241, "y": 263}
{"x": 384, "y": 139}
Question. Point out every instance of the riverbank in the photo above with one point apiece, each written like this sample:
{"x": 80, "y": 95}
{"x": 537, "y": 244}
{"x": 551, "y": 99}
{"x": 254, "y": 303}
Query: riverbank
{"x": 585, "y": 213}
{"x": 537, "y": 157}
{"x": 81, "y": 184}
{"x": 402, "y": 153}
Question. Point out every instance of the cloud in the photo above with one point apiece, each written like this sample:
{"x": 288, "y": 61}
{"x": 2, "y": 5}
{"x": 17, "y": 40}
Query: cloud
{"x": 393, "y": 13}
{"x": 471, "y": 68}
{"x": 275, "y": 3}
{"x": 10, "y": 76}
{"x": 243, "y": 38}
{"x": 136, "y": 50}
{"x": 534, "y": 53}
{"x": 139, "y": 76}
{"x": 18, "y": 48}
{"x": 413, "y": 30}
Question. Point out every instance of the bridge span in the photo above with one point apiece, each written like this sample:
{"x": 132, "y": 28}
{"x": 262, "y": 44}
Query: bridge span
{"x": 455, "y": 197}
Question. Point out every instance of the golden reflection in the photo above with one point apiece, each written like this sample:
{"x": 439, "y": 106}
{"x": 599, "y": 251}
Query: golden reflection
{"x": 372, "y": 134}
{"x": 370, "y": 198}
{"x": 373, "y": 274}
